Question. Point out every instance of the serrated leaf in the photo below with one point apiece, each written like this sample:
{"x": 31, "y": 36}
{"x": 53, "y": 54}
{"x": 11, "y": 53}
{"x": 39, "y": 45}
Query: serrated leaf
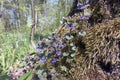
{"x": 26, "y": 76}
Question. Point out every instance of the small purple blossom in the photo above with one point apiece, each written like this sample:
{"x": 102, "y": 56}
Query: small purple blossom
{"x": 42, "y": 59}
{"x": 84, "y": 17}
{"x": 38, "y": 48}
{"x": 61, "y": 45}
{"x": 81, "y": 7}
{"x": 54, "y": 60}
{"x": 69, "y": 26}
{"x": 53, "y": 44}
{"x": 64, "y": 41}
{"x": 58, "y": 53}
{"x": 58, "y": 39}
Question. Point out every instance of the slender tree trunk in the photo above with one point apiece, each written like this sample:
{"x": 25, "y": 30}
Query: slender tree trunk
{"x": 36, "y": 19}
{"x": 33, "y": 24}
{"x": 19, "y": 16}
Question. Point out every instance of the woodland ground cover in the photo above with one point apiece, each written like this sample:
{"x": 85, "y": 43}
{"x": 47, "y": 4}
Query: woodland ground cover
{"x": 86, "y": 44}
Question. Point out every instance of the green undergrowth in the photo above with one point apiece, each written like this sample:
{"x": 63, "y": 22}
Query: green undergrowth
{"x": 13, "y": 46}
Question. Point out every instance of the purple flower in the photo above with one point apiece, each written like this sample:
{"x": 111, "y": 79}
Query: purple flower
{"x": 64, "y": 41}
{"x": 42, "y": 60}
{"x": 53, "y": 44}
{"x": 58, "y": 38}
{"x": 69, "y": 26}
{"x": 54, "y": 60}
{"x": 83, "y": 6}
{"x": 61, "y": 45}
{"x": 84, "y": 17}
{"x": 38, "y": 48}
{"x": 58, "y": 53}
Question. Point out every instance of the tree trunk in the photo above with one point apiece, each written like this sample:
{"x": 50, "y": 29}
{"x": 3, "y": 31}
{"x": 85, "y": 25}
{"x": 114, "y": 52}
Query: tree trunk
{"x": 19, "y": 16}
{"x": 33, "y": 24}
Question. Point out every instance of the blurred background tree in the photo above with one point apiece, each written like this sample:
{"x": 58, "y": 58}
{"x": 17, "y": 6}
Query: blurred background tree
{"x": 29, "y": 13}
{"x": 23, "y": 21}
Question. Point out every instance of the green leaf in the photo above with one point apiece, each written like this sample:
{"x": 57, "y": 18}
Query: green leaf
{"x": 53, "y": 70}
{"x": 40, "y": 73}
{"x": 69, "y": 37}
{"x": 64, "y": 68}
{"x": 73, "y": 54}
{"x": 48, "y": 55}
{"x": 75, "y": 24}
{"x": 65, "y": 54}
{"x": 26, "y": 76}
{"x": 44, "y": 74}
{"x": 82, "y": 33}
{"x": 57, "y": 78}
{"x": 73, "y": 48}
{"x": 71, "y": 44}
{"x": 86, "y": 13}
{"x": 4, "y": 77}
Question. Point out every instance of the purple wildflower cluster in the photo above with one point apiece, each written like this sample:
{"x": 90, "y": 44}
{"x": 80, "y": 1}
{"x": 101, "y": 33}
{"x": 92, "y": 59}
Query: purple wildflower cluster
{"x": 69, "y": 26}
{"x": 50, "y": 47}
{"x": 51, "y": 50}
{"x": 54, "y": 60}
{"x": 58, "y": 53}
{"x": 86, "y": 16}
{"x": 42, "y": 59}
{"x": 38, "y": 48}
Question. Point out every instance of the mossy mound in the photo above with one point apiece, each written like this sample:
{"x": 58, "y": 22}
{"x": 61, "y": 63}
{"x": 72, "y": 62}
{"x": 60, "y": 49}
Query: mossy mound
{"x": 97, "y": 52}
{"x": 102, "y": 42}
{"x": 98, "y": 45}
{"x": 94, "y": 43}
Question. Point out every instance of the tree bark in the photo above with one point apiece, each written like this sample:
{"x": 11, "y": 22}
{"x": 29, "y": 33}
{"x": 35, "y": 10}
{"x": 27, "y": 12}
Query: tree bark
{"x": 33, "y": 24}
{"x": 19, "y": 16}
